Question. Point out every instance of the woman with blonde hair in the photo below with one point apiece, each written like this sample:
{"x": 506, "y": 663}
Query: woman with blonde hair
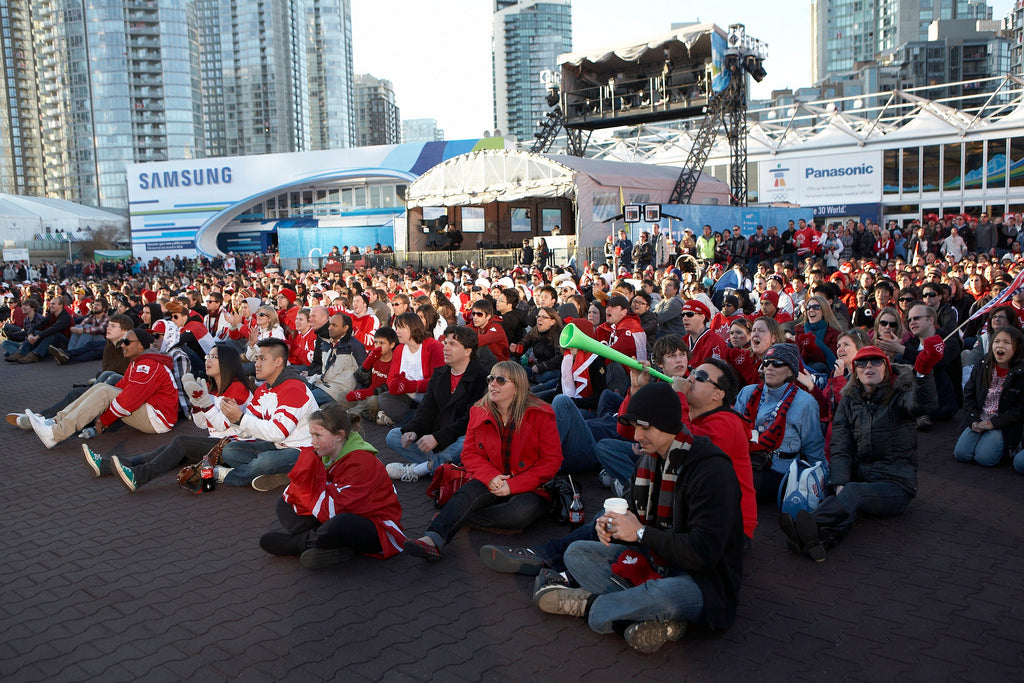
{"x": 509, "y": 454}
{"x": 817, "y": 333}
{"x": 267, "y": 326}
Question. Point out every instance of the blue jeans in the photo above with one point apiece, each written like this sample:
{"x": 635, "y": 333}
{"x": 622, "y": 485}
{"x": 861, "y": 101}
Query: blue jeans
{"x": 1018, "y": 462}
{"x": 984, "y": 448}
{"x": 249, "y": 459}
{"x": 83, "y": 340}
{"x": 673, "y": 598}
{"x": 617, "y": 458}
{"x": 413, "y": 454}
{"x": 577, "y": 440}
{"x": 836, "y": 514}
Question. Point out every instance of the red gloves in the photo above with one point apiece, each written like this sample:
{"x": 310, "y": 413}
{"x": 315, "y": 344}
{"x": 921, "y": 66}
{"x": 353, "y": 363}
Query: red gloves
{"x": 808, "y": 347}
{"x": 372, "y": 357}
{"x": 635, "y": 568}
{"x": 930, "y": 354}
{"x": 400, "y": 385}
{"x": 358, "y": 395}
{"x": 516, "y": 349}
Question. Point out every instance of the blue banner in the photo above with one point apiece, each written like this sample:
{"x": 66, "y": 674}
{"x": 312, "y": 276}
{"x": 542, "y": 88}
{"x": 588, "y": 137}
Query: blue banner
{"x": 696, "y": 216}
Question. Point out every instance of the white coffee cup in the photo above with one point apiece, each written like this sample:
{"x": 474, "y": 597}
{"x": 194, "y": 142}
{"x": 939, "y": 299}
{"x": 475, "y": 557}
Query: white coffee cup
{"x": 616, "y": 505}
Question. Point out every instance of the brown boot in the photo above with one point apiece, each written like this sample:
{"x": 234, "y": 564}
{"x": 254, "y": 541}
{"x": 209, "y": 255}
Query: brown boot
{"x": 31, "y": 358}
{"x": 14, "y": 358}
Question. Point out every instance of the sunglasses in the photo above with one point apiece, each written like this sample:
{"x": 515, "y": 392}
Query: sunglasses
{"x": 775, "y": 364}
{"x": 813, "y": 307}
{"x": 502, "y": 381}
{"x": 262, "y": 315}
{"x": 888, "y": 323}
{"x": 703, "y": 377}
{"x": 689, "y": 314}
{"x": 478, "y": 314}
{"x": 873, "y": 362}
{"x": 928, "y": 295}
{"x": 904, "y": 299}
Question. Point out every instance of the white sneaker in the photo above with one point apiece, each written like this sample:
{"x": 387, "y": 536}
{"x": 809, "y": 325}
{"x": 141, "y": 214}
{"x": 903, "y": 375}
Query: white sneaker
{"x": 42, "y": 430}
{"x": 402, "y": 471}
{"x": 220, "y": 472}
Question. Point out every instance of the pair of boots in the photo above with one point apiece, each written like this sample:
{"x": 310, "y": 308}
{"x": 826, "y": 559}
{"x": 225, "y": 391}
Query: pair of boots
{"x": 813, "y": 535}
{"x": 310, "y": 557}
{"x": 27, "y": 358}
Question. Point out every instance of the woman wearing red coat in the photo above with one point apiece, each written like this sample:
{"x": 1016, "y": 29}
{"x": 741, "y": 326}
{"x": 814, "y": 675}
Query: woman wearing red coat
{"x": 510, "y": 453}
{"x": 340, "y": 501}
{"x": 415, "y": 359}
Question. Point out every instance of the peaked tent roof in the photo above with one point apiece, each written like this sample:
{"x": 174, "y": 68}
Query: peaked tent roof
{"x": 48, "y": 208}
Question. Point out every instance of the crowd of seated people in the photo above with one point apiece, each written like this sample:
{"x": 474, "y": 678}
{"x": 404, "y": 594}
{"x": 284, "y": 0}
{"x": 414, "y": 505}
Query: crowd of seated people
{"x": 779, "y": 351}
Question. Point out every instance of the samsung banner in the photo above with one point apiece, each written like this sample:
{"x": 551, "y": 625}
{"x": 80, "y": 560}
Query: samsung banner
{"x": 847, "y": 178}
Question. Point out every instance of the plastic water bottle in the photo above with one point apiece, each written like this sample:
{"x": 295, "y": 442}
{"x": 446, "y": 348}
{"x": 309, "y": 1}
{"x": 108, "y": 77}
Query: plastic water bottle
{"x": 87, "y": 433}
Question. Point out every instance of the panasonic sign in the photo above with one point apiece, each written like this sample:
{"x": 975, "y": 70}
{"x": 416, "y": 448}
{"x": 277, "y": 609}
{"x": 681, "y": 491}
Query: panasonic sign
{"x": 854, "y": 178}
{"x": 186, "y": 177}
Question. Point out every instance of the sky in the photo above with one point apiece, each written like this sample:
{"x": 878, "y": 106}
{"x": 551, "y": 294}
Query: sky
{"x": 438, "y": 54}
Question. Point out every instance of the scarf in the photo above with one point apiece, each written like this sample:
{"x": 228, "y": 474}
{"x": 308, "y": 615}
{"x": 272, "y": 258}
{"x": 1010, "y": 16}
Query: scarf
{"x": 819, "y": 329}
{"x": 576, "y": 374}
{"x": 772, "y": 430}
{"x": 654, "y": 503}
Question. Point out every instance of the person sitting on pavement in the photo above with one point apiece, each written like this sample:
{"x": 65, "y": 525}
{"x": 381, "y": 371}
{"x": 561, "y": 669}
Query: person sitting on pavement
{"x": 303, "y": 344}
{"x": 510, "y": 455}
{"x": 488, "y": 327}
{"x": 54, "y": 331}
{"x": 266, "y": 327}
{"x": 436, "y": 432}
{"x": 87, "y": 340}
{"x": 874, "y": 449}
{"x": 225, "y": 380}
{"x": 146, "y": 398}
{"x": 704, "y": 342}
{"x": 16, "y": 335}
{"x": 785, "y": 420}
{"x": 676, "y": 556}
{"x": 273, "y": 428}
{"x": 112, "y": 369}
{"x": 416, "y": 357}
{"x": 374, "y": 373}
{"x": 993, "y": 417}
{"x": 340, "y": 362}
{"x": 922, "y": 321}
{"x": 340, "y": 501}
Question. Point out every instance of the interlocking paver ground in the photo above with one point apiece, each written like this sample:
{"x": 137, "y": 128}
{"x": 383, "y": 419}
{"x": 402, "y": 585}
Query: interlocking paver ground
{"x": 160, "y": 585}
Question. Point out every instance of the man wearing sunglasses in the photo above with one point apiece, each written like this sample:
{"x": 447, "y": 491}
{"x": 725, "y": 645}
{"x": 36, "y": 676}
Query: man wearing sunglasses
{"x": 146, "y": 398}
{"x": 942, "y": 356}
{"x": 704, "y": 343}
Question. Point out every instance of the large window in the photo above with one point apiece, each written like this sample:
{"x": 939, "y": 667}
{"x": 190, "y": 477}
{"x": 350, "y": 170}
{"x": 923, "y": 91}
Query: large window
{"x": 891, "y": 171}
{"x": 1016, "y": 162}
{"x": 974, "y": 164}
{"x": 911, "y": 169}
{"x": 951, "y": 167}
{"x": 995, "y": 168}
{"x": 930, "y": 169}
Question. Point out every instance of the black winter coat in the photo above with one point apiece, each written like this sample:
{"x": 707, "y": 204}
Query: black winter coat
{"x": 445, "y": 413}
{"x": 548, "y": 354}
{"x": 874, "y": 437}
{"x": 1010, "y": 418}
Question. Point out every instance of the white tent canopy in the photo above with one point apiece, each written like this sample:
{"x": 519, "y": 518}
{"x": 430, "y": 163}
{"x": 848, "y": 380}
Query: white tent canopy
{"x": 22, "y": 218}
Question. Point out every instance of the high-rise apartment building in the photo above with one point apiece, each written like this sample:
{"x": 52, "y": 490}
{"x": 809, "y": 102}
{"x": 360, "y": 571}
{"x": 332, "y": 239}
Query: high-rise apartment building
{"x": 847, "y": 32}
{"x": 527, "y": 37}
{"x": 93, "y": 86}
{"x": 421, "y": 130}
{"x": 378, "y": 121}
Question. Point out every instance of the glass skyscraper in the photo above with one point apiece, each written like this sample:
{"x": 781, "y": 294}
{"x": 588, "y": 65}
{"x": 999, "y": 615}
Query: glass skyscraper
{"x": 528, "y": 36}
{"x": 93, "y": 85}
{"x": 845, "y": 32}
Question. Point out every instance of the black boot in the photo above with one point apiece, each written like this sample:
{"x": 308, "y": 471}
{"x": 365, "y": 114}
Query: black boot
{"x": 807, "y": 532}
{"x": 788, "y": 527}
{"x": 283, "y": 543}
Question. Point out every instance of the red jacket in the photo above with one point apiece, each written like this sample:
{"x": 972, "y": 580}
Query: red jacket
{"x": 301, "y": 347}
{"x": 536, "y": 455}
{"x": 364, "y": 327}
{"x": 355, "y": 482}
{"x": 149, "y": 379}
{"x": 746, "y": 363}
{"x": 708, "y": 345}
{"x": 730, "y": 432}
{"x": 431, "y": 358}
{"x": 493, "y": 337}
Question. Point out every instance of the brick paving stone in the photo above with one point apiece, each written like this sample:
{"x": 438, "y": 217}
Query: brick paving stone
{"x": 182, "y": 583}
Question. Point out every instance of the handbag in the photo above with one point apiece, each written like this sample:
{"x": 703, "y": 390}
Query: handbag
{"x": 803, "y": 487}
{"x": 190, "y": 477}
{"x": 560, "y": 491}
{"x": 447, "y": 479}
